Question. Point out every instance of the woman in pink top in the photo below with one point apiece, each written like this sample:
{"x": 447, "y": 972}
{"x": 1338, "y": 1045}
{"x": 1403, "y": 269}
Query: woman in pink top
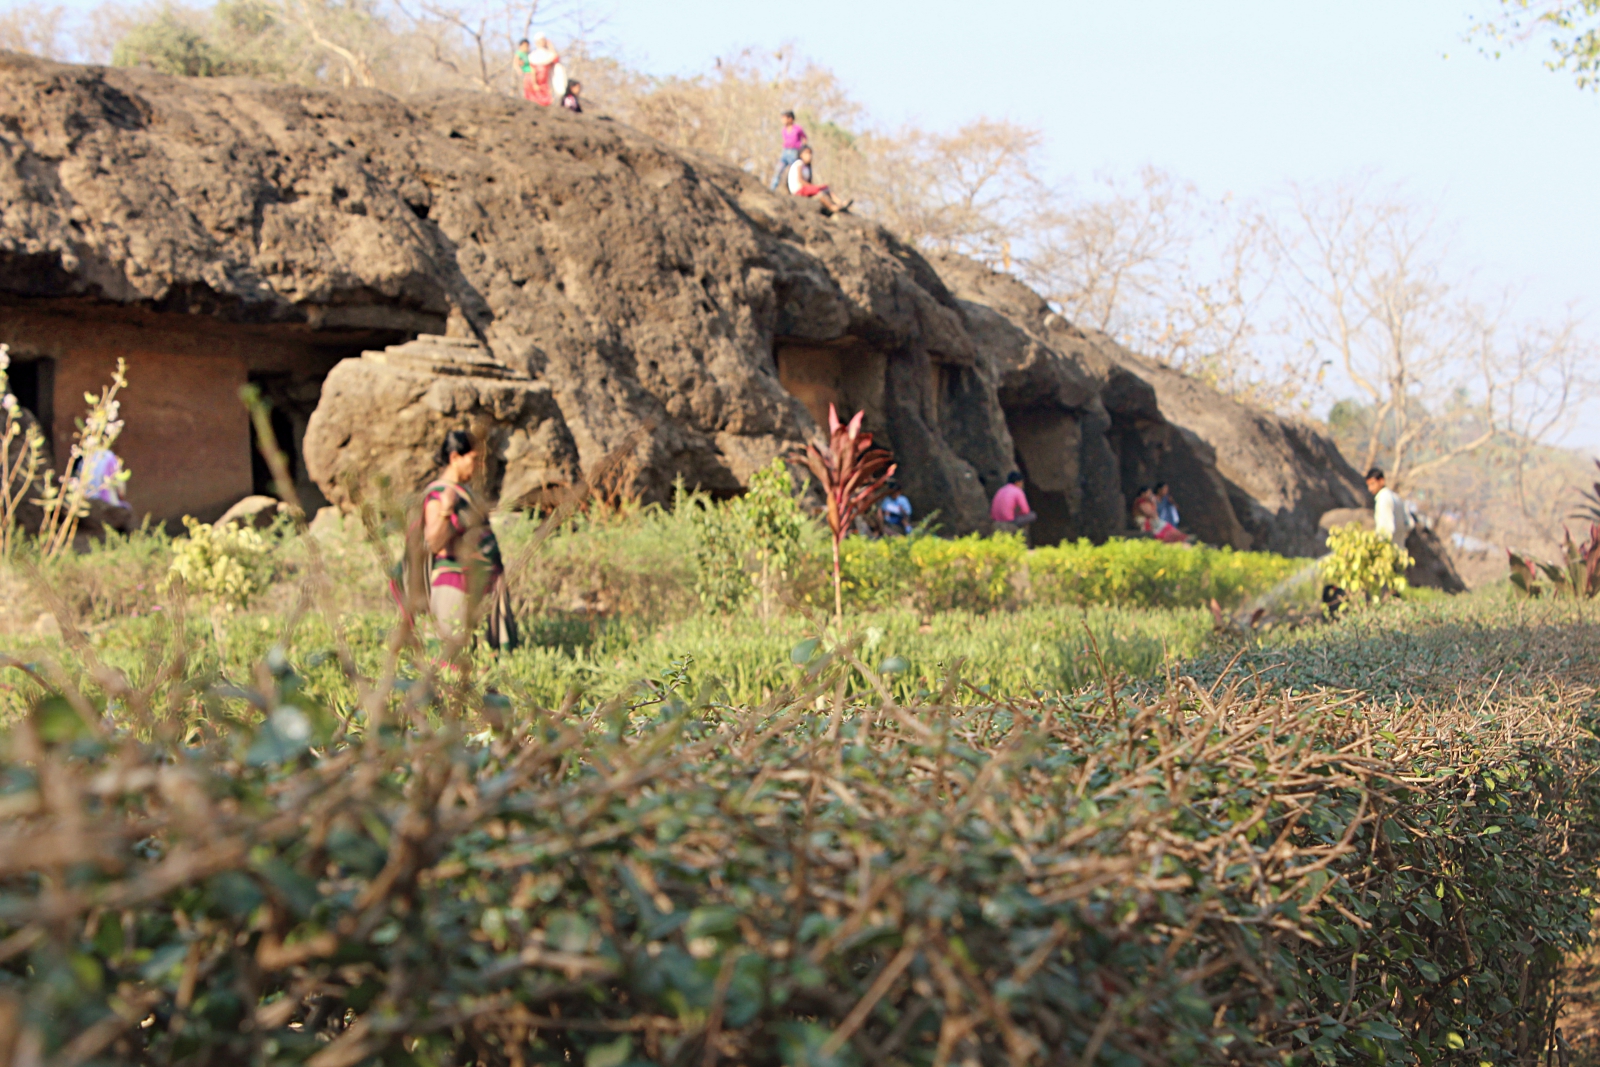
{"x": 1009, "y": 509}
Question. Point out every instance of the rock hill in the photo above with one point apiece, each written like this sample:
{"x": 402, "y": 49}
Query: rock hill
{"x": 559, "y": 281}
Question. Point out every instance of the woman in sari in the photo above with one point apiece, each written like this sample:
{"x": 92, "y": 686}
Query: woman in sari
{"x": 463, "y": 562}
{"x": 541, "y": 66}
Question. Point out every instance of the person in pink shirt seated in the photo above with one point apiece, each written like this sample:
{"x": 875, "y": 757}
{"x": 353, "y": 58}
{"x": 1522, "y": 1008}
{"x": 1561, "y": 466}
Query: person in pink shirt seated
{"x": 1009, "y": 509}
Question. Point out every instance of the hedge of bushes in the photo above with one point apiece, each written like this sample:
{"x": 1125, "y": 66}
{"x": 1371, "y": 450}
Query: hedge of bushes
{"x": 237, "y": 873}
{"x": 989, "y": 573}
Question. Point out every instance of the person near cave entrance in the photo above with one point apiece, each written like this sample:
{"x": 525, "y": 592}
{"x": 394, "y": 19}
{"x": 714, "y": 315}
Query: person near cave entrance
{"x": 1148, "y": 519}
{"x": 452, "y": 553}
{"x": 896, "y": 511}
{"x": 1009, "y": 509}
{"x": 800, "y": 184}
{"x": 1166, "y": 507}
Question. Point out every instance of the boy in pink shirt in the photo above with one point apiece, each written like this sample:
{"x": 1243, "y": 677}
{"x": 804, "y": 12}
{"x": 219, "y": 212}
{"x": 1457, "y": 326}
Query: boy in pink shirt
{"x": 794, "y": 139}
{"x": 1009, "y": 509}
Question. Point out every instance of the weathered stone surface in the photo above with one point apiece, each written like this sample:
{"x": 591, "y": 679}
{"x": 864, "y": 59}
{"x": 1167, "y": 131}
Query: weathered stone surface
{"x": 590, "y": 281}
{"x": 419, "y": 391}
{"x": 1431, "y": 567}
{"x": 256, "y": 512}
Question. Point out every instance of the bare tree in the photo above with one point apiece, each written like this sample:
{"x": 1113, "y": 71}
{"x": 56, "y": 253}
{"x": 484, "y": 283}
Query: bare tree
{"x": 41, "y": 31}
{"x": 973, "y": 191}
{"x": 1549, "y": 382}
{"x": 1367, "y": 289}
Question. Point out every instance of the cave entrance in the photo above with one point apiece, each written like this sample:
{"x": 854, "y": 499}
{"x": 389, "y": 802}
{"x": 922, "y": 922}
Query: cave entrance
{"x": 32, "y": 382}
{"x": 187, "y": 440}
{"x": 1140, "y": 447}
{"x": 291, "y": 398}
{"x": 1048, "y": 443}
{"x": 847, "y": 374}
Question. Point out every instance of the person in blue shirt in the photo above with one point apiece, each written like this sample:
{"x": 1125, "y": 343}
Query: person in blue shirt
{"x": 896, "y": 510}
{"x": 1166, "y": 507}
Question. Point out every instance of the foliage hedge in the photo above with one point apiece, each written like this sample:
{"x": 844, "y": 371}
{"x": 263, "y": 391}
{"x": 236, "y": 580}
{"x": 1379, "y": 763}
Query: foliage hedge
{"x": 991, "y": 573}
{"x": 205, "y": 876}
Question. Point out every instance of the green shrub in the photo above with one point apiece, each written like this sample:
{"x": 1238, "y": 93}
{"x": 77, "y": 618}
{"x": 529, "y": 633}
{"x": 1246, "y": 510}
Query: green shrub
{"x": 1152, "y": 574}
{"x": 991, "y": 573}
{"x": 751, "y": 544}
{"x": 169, "y": 44}
{"x": 229, "y": 564}
{"x": 245, "y": 875}
{"x": 1364, "y": 562}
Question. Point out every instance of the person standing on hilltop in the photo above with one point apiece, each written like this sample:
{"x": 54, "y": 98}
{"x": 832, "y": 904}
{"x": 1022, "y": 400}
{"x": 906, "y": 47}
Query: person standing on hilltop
{"x": 1389, "y": 515}
{"x": 525, "y": 68}
{"x": 794, "y": 139}
{"x": 571, "y": 98}
{"x": 800, "y": 184}
{"x": 539, "y": 66}
{"x": 1009, "y": 509}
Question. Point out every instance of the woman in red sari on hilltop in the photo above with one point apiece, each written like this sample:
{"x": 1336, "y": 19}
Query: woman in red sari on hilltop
{"x": 540, "y": 68}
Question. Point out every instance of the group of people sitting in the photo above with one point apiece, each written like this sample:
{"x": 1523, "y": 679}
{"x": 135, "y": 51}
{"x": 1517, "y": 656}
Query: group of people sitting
{"x": 794, "y": 168}
{"x": 1156, "y": 513}
{"x": 544, "y": 78}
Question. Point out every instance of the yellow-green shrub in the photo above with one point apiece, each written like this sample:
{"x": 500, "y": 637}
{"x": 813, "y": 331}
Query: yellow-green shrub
{"x": 1149, "y": 573}
{"x": 228, "y": 564}
{"x": 988, "y": 573}
{"x": 1364, "y": 562}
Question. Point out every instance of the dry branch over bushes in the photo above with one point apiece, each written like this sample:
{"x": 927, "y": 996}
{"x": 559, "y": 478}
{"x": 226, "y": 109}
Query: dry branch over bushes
{"x": 1193, "y": 877}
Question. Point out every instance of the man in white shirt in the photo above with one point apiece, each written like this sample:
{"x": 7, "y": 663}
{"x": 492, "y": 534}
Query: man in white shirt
{"x": 1389, "y": 514}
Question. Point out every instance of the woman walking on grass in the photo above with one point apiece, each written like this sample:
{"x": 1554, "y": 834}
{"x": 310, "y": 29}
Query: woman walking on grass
{"x": 462, "y": 552}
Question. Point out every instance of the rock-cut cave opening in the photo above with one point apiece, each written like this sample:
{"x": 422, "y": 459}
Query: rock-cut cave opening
{"x": 187, "y": 439}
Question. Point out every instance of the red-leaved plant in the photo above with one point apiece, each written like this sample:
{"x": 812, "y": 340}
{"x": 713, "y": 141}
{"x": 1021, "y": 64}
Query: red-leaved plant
{"x": 1577, "y": 575}
{"x": 852, "y": 474}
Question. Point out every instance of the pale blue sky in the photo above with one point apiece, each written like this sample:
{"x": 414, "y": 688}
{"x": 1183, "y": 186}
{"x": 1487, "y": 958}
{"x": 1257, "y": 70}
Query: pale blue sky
{"x": 1236, "y": 95}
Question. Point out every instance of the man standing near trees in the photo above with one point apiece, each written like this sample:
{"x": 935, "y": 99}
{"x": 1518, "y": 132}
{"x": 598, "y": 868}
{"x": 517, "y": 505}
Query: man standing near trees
{"x": 1389, "y": 515}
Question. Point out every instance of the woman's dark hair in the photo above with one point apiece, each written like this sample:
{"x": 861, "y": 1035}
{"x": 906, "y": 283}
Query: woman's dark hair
{"x": 786, "y": 114}
{"x": 1014, "y": 476}
{"x": 456, "y": 443}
